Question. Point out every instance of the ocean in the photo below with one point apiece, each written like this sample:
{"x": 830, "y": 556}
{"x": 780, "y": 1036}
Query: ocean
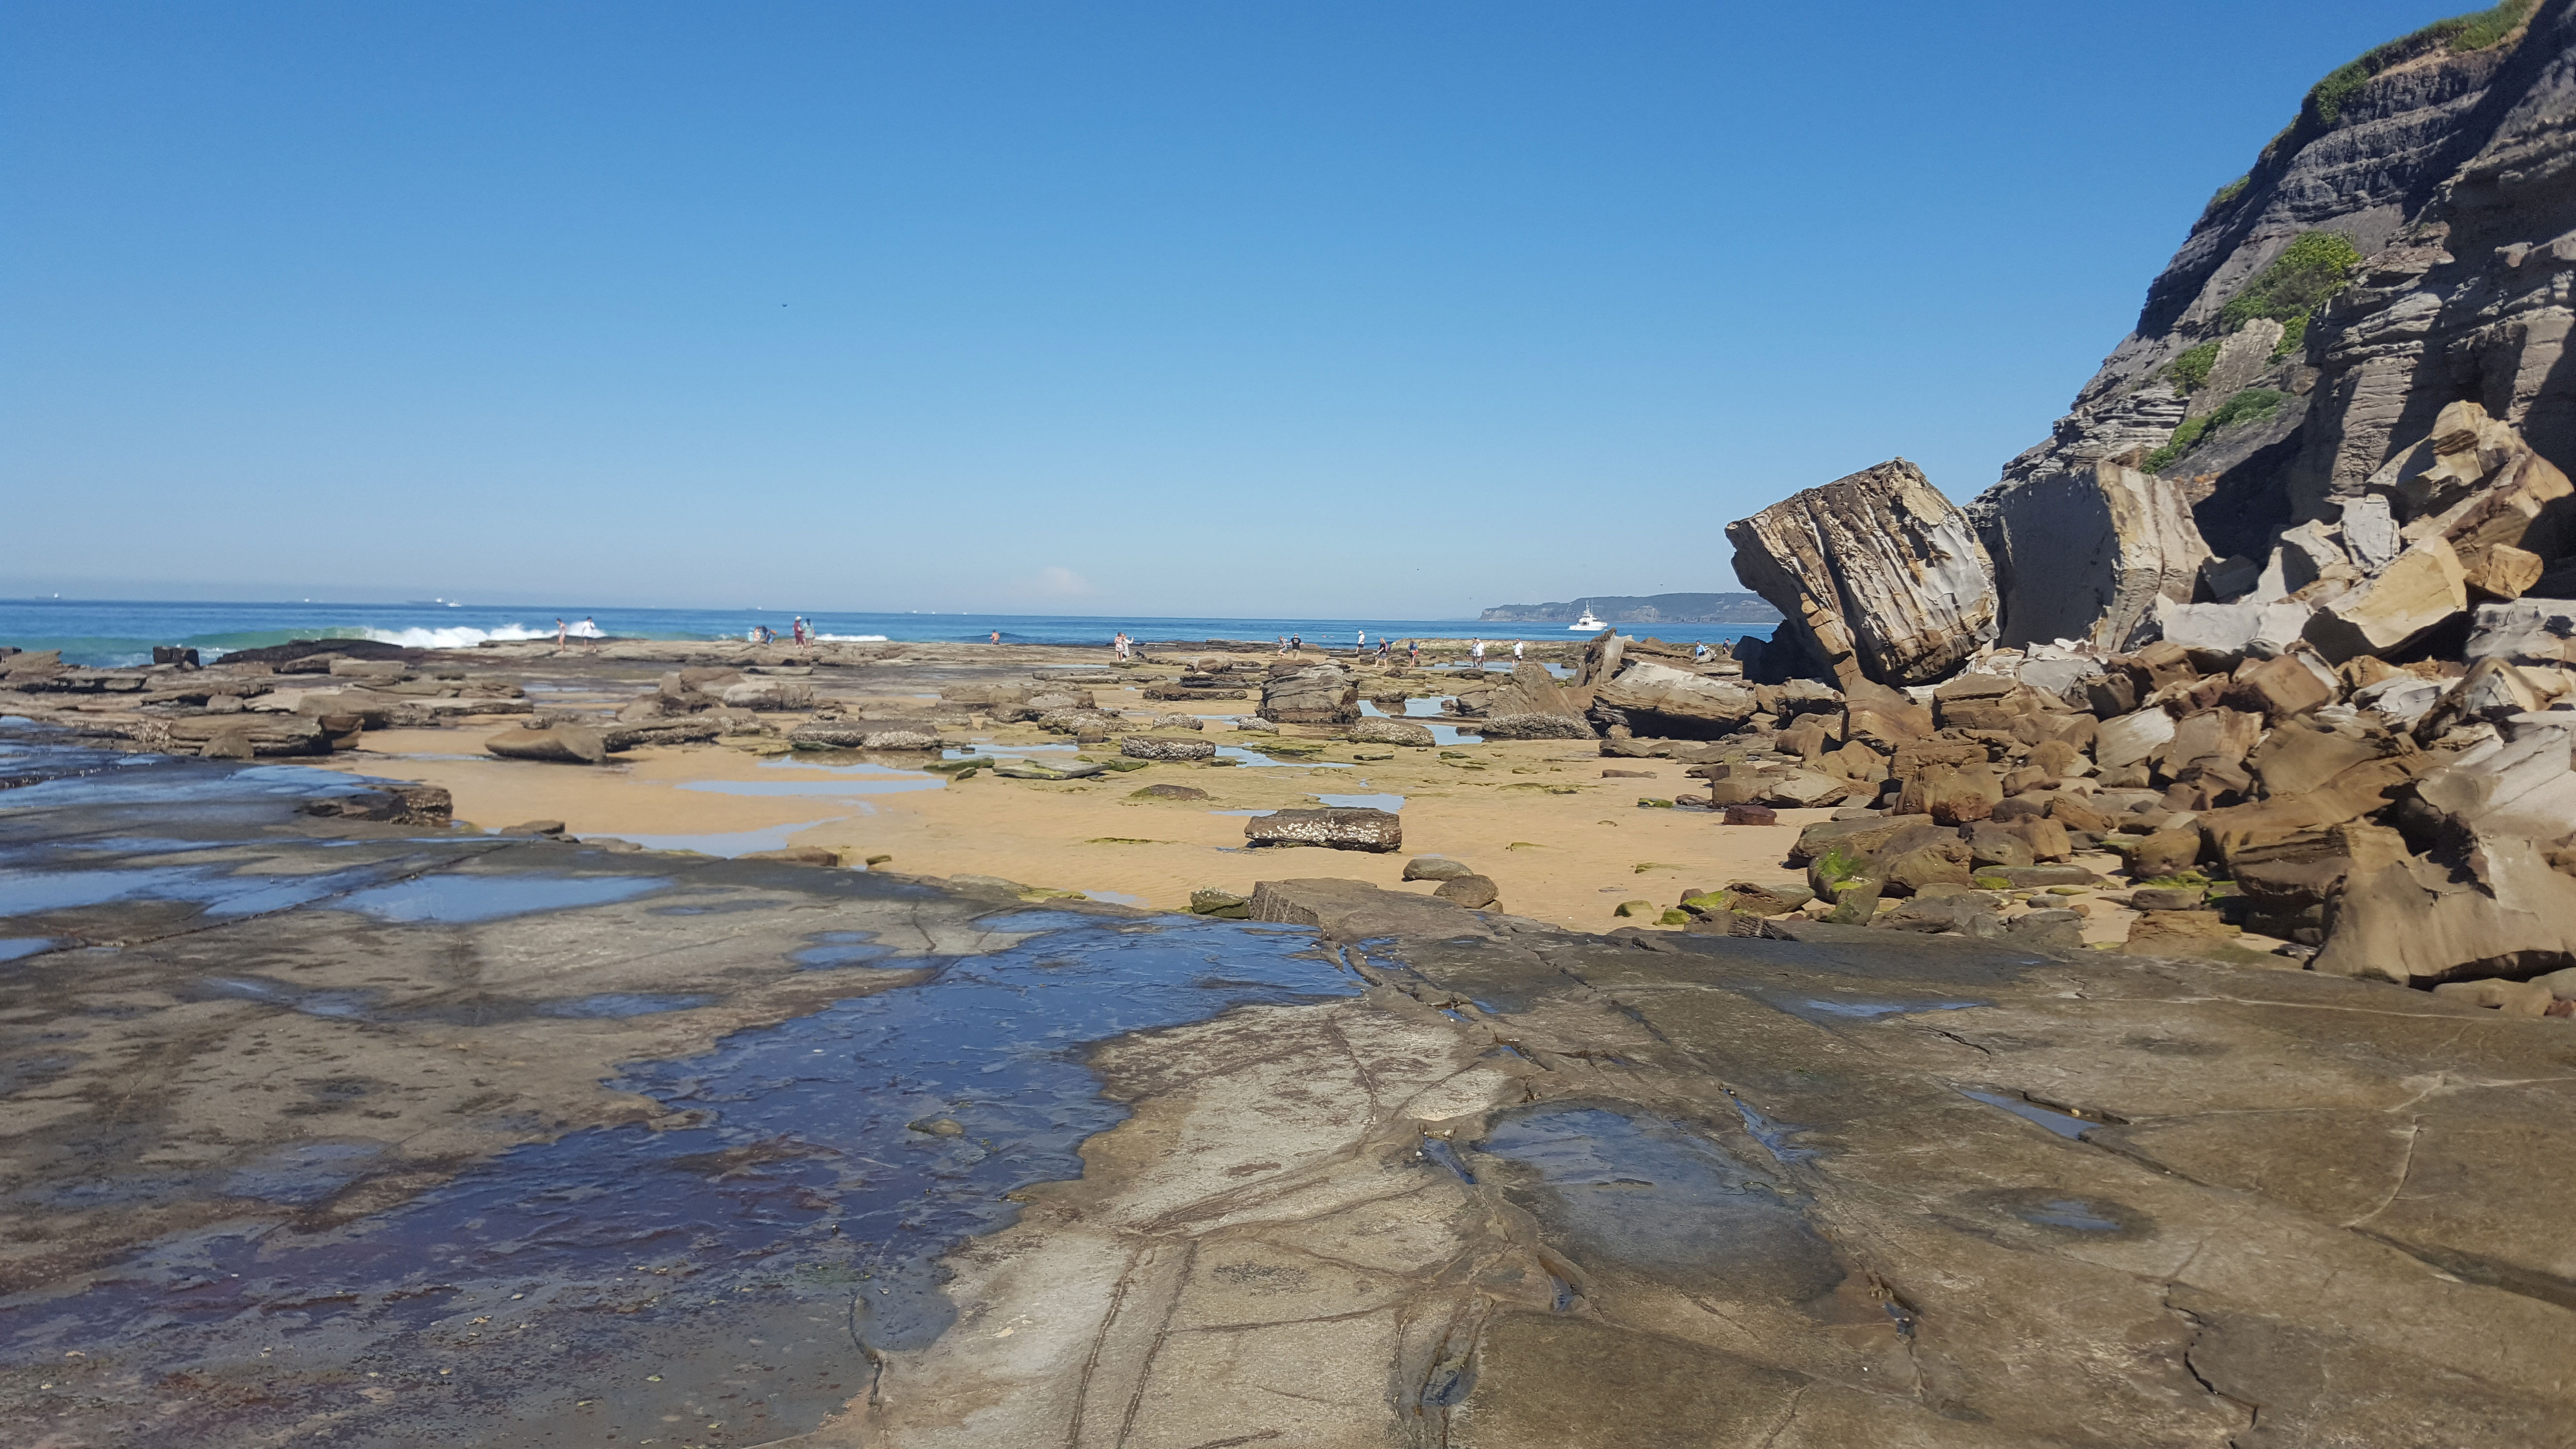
{"x": 118, "y": 632}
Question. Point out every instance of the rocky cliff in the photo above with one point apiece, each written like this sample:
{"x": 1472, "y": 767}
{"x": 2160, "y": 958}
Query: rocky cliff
{"x": 2288, "y": 602}
{"x": 2403, "y": 244}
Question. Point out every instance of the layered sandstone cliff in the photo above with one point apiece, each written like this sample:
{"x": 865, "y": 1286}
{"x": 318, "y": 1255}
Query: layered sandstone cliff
{"x": 2408, "y": 242}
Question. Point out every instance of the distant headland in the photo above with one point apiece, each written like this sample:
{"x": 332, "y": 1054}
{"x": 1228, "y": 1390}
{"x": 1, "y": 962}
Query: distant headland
{"x": 1642, "y": 609}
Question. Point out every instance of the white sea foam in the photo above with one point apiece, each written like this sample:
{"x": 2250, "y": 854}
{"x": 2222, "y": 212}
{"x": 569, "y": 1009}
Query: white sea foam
{"x": 851, "y": 638}
{"x": 456, "y": 638}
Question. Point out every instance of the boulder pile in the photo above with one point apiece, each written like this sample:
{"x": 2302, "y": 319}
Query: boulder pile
{"x": 2362, "y": 742}
{"x": 246, "y": 706}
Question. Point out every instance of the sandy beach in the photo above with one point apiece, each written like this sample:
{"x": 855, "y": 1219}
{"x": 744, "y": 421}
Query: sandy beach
{"x": 1559, "y": 827}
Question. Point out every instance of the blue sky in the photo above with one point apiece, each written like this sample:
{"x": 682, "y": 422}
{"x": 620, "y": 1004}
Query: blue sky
{"x": 1231, "y": 309}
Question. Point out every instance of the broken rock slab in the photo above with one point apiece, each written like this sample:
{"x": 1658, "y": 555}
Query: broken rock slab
{"x": 2490, "y": 902}
{"x": 2424, "y": 587}
{"x": 563, "y": 744}
{"x": 1355, "y": 910}
{"x": 2084, "y": 554}
{"x": 1339, "y": 828}
{"x": 1318, "y": 694}
{"x": 1880, "y": 576}
{"x": 2525, "y": 632}
{"x": 1665, "y": 702}
{"x": 2234, "y": 631}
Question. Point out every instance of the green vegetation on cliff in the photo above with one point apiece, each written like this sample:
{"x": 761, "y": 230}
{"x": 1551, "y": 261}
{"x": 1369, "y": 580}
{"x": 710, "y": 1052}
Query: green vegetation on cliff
{"x": 2314, "y": 267}
{"x": 2191, "y": 370}
{"x": 2461, "y": 34}
{"x": 2323, "y": 107}
{"x": 2252, "y": 405}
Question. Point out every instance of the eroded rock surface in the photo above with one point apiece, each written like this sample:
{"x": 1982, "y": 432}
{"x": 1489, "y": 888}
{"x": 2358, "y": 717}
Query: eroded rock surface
{"x": 1538, "y": 1188}
{"x": 324, "y": 1124}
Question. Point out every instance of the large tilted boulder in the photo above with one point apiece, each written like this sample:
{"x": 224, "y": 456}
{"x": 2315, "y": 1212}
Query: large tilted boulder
{"x": 2085, "y": 554}
{"x": 1880, "y": 577}
{"x": 1318, "y": 694}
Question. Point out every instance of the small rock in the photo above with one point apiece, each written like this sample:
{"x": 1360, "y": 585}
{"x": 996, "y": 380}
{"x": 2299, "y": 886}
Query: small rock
{"x": 1392, "y": 732}
{"x": 1475, "y": 892}
{"x": 2179, "y": 933}
{"x": 1209, "y": 901}
{"x": 1437, "y": 867}
{"x": 1169, "y": 792}
{"x": 1933, "y": 915}
{"x": 2165, "y": 852}
{"x": 2048, "y": 930}
{"x": 1146, "y": 747}
{"x": 1751, "y": 815}
{"x": 800, "y": 855}
{"x": 2163, "y": 898}
{"x": 2513, "y": 998}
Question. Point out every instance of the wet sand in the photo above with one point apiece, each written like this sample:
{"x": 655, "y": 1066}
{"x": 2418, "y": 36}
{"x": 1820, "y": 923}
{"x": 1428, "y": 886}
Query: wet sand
{"x": 1565, "y": 842}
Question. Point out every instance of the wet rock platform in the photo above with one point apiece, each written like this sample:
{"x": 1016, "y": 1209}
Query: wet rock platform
{"x": 317, "y": 1130}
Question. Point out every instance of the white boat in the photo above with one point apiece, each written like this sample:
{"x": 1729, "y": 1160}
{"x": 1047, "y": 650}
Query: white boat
{"x": 1587, "y": 624}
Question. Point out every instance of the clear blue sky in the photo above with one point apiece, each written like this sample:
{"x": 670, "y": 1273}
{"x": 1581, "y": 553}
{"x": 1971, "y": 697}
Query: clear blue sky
{"x": 1397, "y": 309}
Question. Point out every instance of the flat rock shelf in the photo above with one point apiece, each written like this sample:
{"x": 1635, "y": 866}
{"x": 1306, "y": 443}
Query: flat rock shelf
{"x": 325, "y": 1129}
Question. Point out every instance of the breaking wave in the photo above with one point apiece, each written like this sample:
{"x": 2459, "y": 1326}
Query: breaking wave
{"x": 465, "y": 637}
{"x": 455, "y": 638}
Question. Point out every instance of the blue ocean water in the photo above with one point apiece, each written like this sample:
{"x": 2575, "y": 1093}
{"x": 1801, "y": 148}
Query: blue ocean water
{"x": 116, "y": 632}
